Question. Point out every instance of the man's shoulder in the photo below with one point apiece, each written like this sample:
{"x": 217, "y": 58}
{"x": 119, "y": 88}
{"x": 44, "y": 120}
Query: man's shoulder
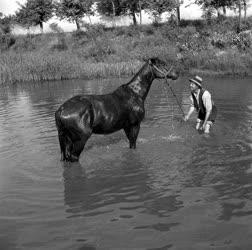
{"x": 206, "y": 93}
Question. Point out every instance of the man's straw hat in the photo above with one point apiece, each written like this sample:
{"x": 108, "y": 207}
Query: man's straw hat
{"x": 197, "y": 80}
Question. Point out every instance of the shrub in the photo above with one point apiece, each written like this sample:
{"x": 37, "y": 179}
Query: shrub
{"x": 6, "y": 41}
{"x": 131, "y": 31}
{"x": 60, "y": 45}
{"x": 78, "y": 34}
{"x": 243, "y": 40}
{"x": 221, "y": 40}
{"x": 147, "y": 30}
{"x": 25, "y": 43}
{"x": 170, "y": 32}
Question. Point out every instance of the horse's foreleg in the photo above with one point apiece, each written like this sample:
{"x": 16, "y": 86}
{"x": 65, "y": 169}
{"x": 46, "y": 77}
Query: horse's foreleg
{"x": 132, "y": 133}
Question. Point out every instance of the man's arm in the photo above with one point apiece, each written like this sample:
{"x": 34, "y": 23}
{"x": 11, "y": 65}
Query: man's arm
{"x": 191, "y": 110}
{"x": 207, "y": 101}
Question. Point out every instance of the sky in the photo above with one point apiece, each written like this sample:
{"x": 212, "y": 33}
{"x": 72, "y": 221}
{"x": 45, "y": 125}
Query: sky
{"x": 9, "y": 6}
{"x": 192, "y": 12}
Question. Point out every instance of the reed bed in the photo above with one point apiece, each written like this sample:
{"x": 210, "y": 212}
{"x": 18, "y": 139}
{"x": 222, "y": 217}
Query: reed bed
{"x": 120, "y": 52}
{"x": 58, "y": 66}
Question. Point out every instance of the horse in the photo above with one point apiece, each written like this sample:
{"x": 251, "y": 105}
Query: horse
{"x": 80, "y": 116}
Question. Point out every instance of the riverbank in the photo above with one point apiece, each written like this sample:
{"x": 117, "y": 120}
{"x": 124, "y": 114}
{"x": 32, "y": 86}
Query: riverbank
{"x": 99, "y": 52}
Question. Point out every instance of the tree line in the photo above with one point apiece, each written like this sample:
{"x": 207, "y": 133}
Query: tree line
{"x": 37, "y": 12}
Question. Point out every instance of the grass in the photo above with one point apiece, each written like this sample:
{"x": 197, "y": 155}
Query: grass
{"x": 102, "y": 52}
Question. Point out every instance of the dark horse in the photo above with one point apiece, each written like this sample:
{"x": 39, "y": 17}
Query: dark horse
{"x": 83, "y": 115}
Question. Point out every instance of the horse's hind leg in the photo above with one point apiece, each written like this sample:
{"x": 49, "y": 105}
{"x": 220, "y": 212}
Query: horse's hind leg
{"x": 78, "y": 147}
{"x": 62, "y": 142}
{"x": 77, "y": 130}
{"x": 81, "y": 133}
{"x": 77, "y": 141}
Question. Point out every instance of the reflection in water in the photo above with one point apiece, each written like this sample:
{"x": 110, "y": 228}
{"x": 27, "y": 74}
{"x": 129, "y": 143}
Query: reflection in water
{"x": 177, "y": 190}
{"x": 107, "y": 184}
{"x": 117, "y": 193}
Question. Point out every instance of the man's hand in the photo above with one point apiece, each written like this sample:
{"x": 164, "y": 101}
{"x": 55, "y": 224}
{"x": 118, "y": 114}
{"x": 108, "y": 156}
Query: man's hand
{"x": 186, "y": 118}
{"x": 203, "y": 126}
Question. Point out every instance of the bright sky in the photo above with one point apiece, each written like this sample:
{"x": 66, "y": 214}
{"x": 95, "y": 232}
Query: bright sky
{"x": 9, "y": 6}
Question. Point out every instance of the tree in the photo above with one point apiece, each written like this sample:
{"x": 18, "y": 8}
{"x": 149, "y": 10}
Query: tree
{"x": 245, "y": 8}
{"x": 121, "y": 7}
{"x": 73, "y": 10}
{"x": 109, "y": 7}
{"x": 223, "y": 4}
{"x": 157, "y": 7}
{"x": 178, "y": 4}
{"x": 218, "y": 5}
{"x": 239, "y": 18}
{"x": 131, "y": 7}
{"x": 5, "y": 23}
{"x": 34, "y": 12}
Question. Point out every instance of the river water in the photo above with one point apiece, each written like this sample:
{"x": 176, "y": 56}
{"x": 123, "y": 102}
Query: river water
{"x": 178, "y": 190}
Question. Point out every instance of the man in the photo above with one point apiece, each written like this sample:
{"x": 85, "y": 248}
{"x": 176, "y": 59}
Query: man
{"x": 202, "y": 102}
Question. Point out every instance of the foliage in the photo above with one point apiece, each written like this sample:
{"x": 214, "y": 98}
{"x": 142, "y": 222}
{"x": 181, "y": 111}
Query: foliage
{"x": 216, "y": 4}
{"x": 34, "y": 12}
{"x": 73, "y": 10}
{"x": 56, "y": 28}
{"x": 156, "y": 8}
{"x": 121, "y": 7}
{"x": 131, "y": 7}
{"x": 243, "y": 40}
{"x": 6, "y": 38}
{"x": 61, "y": 41}
{"x": 99, "y": 51}
{"x": 24, "y": 43}
{"x": 110, "y": 7}
{"x": 5, "y": 24}
{"x": 6, "y": 41}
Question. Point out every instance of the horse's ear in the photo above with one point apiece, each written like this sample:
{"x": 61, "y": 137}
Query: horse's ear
{"x": 145, "y": 59}
{"x": 150, "y": 61}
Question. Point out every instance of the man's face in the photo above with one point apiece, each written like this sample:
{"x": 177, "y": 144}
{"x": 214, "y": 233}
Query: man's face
{"x": 194, "y": 87}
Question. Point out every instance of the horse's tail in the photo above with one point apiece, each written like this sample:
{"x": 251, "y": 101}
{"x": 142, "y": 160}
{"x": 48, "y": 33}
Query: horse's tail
{"x": 74, "y": 129}
{"x": 65, "y": 139}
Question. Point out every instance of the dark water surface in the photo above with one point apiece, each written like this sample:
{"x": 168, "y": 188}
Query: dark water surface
{"x": 177, "y": 190}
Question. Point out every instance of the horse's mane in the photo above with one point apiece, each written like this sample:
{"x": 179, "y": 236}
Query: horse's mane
{"x": 138, "y": 73}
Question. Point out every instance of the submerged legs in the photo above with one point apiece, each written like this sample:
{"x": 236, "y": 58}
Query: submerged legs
{"x": 132, "y": 133}
{"x": 71, "y": 149}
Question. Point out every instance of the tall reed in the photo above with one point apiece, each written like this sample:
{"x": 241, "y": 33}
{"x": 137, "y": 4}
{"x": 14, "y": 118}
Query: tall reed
{"x": 100, "y": 52}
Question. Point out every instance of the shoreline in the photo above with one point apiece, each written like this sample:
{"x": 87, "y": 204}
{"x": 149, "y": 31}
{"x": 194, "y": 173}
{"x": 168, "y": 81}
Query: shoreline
{"x": 193, "y": 72}
{"x": 100, "y": 52}
{"x": 100, "y": 70}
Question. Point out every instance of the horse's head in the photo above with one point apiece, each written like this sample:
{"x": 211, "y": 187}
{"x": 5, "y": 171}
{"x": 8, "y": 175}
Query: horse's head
{"x": 161, "y": 70}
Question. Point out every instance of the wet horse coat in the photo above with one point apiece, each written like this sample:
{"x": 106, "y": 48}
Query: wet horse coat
{"x": 82, "y": 115}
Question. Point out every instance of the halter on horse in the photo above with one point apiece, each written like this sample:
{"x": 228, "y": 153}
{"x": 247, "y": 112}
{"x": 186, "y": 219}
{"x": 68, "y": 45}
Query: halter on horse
{"x": 82, "y": 115}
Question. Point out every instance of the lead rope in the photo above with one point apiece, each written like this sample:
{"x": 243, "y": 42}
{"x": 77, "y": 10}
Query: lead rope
{"x": 167, "y": 99}
{"x": 180, "y": 106}
{"x": 173, "y": 93}
{"x": 170, "y": 86}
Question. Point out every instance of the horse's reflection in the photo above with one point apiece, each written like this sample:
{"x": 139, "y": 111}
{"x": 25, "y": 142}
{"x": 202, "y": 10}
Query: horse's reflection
{"x": 101, "y": 185}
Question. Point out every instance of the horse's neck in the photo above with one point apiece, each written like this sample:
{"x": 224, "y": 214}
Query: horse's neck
{"x": 141, "y": 82}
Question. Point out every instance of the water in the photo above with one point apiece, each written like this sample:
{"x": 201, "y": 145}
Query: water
{"x": 177, "y": 190}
